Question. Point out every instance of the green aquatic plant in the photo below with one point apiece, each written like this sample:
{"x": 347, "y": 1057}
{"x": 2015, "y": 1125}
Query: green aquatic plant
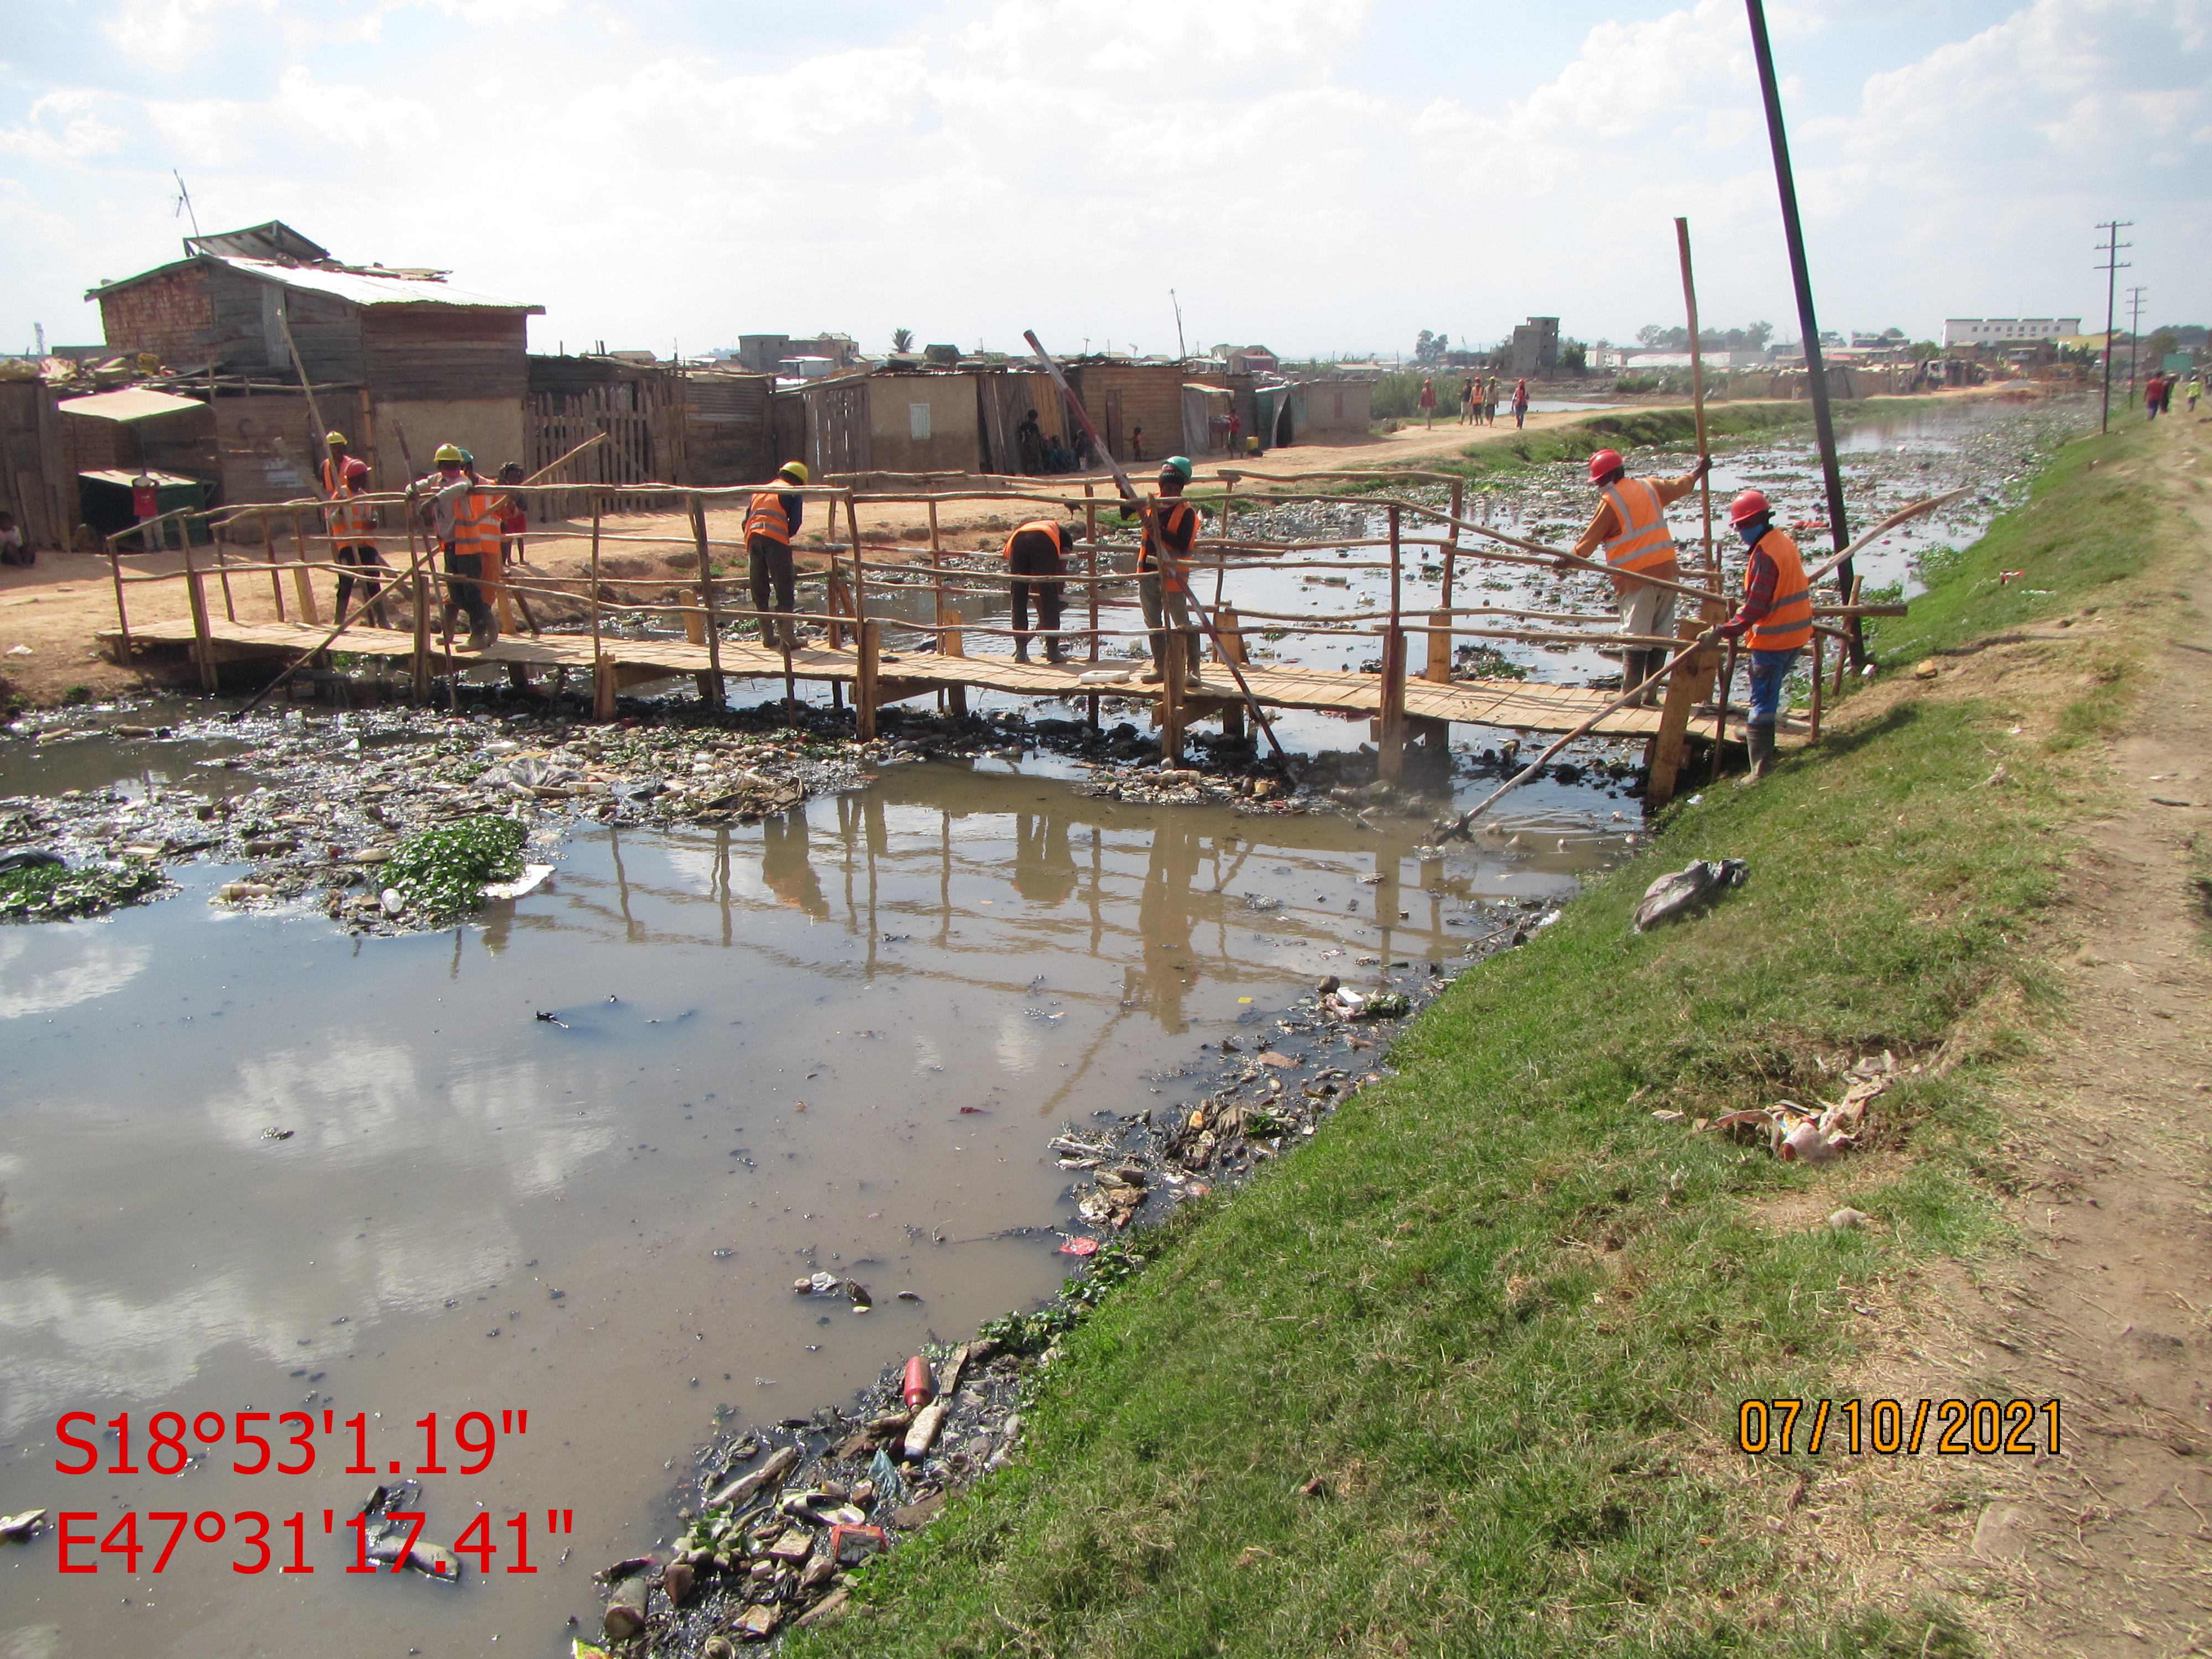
{"x": 442, "y": 871}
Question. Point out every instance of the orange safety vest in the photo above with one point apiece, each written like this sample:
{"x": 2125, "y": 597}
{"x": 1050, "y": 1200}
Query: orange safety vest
{"x": 1787, "y": 623}
{"x": 349, "y": 520}
{"x": 767, "y": 518}
{"x": 475, "y": 530}
{"x": 1050, "y": 527}
{"x": 1644, "y": 546}
{"x": 1177, "y": 512}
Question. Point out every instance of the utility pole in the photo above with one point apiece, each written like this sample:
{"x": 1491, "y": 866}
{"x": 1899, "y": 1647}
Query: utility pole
{"x": 1816, "y": 371}
{"x": 2135, "y": 335}
{"x": 2112, "y": 267}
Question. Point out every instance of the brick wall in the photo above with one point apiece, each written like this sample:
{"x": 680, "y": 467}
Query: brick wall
{"x": 171, "y": 315}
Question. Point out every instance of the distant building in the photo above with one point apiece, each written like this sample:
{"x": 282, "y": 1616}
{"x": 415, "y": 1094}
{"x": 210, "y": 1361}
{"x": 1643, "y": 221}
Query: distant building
{"x": 1253, "y": 360}
{"x": 1534, "y": 348}
{"x": 2006, "y": 330}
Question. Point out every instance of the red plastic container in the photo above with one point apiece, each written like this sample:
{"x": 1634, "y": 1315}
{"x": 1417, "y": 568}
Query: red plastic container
{"x": 919, "y": 1385}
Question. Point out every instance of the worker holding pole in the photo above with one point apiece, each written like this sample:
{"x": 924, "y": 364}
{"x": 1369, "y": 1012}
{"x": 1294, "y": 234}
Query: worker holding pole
{"x": 1776, "y": 614}
{"x": 1163, "y": 578}
{"x": 770, "y": 523}
{"x": 351, "y": 523}
{"x": 1631, "y": 526}
{"x": 1035, "y": 559}
{"x": 463, "y": 513}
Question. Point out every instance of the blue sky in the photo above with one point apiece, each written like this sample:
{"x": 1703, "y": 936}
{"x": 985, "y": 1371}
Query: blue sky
{"x": 1322, "y": 176}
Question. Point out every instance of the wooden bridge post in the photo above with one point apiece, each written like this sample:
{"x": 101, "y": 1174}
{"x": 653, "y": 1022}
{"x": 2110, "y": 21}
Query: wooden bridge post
{"x": 303, "y": 588}
{"x": 423, "y": 568}
{"x": 859, "y": 563}
{"x": 1687, "y": 686}
{"x": 122, "y": 615}
{"x": 864, "y": 681}
{"x": 1170, "y": 717}
{"x": 1090, "y": 541}
{"x": 1228, "y": 646}
{"x": 603, "y": 679}
{"x": 203, "y": 638}
{"x": 222, "y": 570}
{"x": 1451, "y": 546}
{"x": 1390, "y": 758}
{"x": 710, "y": 683}
{"x": 268, "y": 557}
{"x": 1440, "y": 647}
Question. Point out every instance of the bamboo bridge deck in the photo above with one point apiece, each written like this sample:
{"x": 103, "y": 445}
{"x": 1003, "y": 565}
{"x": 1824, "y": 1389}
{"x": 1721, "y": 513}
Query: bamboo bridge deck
{"x": 1518, "y": 705}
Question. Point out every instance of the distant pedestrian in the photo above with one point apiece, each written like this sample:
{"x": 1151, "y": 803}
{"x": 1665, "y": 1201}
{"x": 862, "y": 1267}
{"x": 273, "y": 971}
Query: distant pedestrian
{"x": 1520, "y": 402}
{"x": 1466, "y": 401}
{"x": 513, "y": 525}
{"x": 1428, "y": 401}
{"x": 2166, "y": 393}
{"x": 12, "y": 548}
{"x": 2196, "y": 390}
{"x": 2151, "y": 390}
{"x": 1028, "y": 439}
{"x": 1136, "y": 443}
{"x": 1236, "y": 432}
{"x": 1490, "y": 401}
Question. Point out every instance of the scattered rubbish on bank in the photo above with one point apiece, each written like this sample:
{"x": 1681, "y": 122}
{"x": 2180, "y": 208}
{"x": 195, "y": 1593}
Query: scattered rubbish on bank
{"x": 393, "y": 1517}
{"x": 1848, "y": 1219}
{"x": 1798, "y": 1133}
{"x": 16, "y": 1528}
{"x": 1687, "y": 890}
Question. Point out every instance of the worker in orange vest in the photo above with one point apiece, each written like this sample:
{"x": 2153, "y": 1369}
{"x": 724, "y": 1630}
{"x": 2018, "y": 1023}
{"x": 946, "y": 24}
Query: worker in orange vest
{"x": 1034, "y": 554}
{"x": 1775, "y": 620}
{"x": 462, "y": 514}
{"x": 770, "y": 523}
{"x": 351, "y": 525}
{"x": 1164, "y": 581}
{"x": 1631, "y": 526}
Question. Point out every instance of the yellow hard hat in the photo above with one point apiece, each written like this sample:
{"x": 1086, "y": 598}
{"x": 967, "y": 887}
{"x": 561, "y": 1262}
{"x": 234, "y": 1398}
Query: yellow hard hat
{"x": 796, "y": 469}
{"x": 334, "y": 437}
{"x": 448, "y": 452}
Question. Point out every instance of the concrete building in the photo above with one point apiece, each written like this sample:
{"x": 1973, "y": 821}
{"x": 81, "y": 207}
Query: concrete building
{"x": 1533, "y": 349}
{"x": 2006, "y": 330}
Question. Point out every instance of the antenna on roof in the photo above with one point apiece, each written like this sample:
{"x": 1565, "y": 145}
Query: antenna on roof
{"x": 1181, "y": 350}
{"x": 184, "y": 203}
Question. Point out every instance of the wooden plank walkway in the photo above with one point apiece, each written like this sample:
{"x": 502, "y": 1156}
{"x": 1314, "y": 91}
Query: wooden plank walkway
{"x": 1520, "y": 705}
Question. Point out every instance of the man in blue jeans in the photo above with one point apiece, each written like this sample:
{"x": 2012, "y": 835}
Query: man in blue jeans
{"x": 1775, "y": 615}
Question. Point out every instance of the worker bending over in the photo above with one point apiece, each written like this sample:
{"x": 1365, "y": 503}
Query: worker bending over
{"x": 1164, "y": 578}
{"x": 462, "y": 512}
{"x": 1631, "y": 526}
{"x": 770, "y": 523}
{"x": 352, "y": 524}
{"x": 1777, "y": 615}
{"x": 1034, "y": 554}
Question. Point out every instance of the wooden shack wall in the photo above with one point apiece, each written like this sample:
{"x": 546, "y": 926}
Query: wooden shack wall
{"x": 726, "y": 428}
{"x": 838, "y": 427}
{"x": 1333, "y": 411}
{"x": 35, "y": 481}
{"x": 264, "y": 450}
{"x": 434, "y": 353}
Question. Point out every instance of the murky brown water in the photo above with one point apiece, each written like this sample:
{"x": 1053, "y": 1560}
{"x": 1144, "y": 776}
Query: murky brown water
{"x": 837, "y": 1042}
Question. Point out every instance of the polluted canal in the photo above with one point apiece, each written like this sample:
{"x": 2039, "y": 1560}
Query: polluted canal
{"x": 513, "y": 1211}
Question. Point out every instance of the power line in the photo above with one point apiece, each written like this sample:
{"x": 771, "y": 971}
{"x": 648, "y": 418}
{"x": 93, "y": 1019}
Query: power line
{"x": 2112, "y": 267}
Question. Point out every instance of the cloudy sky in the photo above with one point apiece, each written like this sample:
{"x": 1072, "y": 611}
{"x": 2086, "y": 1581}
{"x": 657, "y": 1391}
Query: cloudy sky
{"x": 1322, "y": 176}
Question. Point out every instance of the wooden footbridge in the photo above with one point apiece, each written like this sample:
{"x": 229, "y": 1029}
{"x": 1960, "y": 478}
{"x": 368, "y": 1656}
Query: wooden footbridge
{"x": 929, "y": 657}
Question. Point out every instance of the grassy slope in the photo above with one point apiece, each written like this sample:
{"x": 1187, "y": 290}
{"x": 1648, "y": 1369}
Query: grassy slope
{"x": 1504, "y": 1313}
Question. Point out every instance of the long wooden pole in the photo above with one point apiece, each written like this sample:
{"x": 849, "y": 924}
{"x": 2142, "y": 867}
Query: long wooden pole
{"x": 1698, "y": 402}
{"x": 1824, "y": 425}
{"x": 707, "y": 601}
{"x": 1458, "y": 826}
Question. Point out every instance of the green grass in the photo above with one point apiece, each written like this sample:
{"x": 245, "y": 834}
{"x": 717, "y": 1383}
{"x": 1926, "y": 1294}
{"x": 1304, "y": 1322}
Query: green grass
{"x": 1502, "y": 1313}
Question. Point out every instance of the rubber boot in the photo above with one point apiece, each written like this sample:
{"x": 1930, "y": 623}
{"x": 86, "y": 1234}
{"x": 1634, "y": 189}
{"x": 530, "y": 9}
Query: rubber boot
{"x": 1655, "y": 694}
{"x": 1191, "y": 680}
{"x": 1632, "y": 670}
{"x": 1055, "y": 650}
{"x": 1759, "y": 739}
{"x": 1155, "y": 674}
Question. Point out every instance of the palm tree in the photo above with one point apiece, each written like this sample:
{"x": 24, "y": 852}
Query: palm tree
{"x": 902, "y": 339}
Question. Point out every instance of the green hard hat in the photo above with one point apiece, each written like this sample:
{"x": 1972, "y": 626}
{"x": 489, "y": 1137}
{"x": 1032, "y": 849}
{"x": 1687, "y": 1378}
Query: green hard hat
{"x": 1178, "y": 465}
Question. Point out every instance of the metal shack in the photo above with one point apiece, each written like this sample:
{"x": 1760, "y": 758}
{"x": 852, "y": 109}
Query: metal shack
{"x": 384, "y": 347}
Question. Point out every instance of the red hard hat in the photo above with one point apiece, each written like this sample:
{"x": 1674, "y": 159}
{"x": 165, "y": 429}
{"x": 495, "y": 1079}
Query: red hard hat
{"x": 1605, "y": 461}
{"x": 1748, "y": 506}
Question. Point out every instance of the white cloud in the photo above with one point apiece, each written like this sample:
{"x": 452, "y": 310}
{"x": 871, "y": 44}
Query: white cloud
{"x": 61, "y": 126}
{"x": 167, "y": 33}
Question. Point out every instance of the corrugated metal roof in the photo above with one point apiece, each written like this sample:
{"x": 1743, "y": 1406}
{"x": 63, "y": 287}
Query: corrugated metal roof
{"x": 369, "y": 289}
{"x": 353, "y": 286}
{"x": 132, "y": 404}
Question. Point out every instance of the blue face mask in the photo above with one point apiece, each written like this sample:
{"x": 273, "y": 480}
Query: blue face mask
{"x": 1751, "y": 532}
